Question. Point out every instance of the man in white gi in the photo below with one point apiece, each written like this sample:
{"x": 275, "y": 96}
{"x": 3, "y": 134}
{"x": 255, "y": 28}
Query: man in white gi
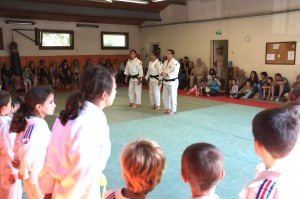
{"x": 154, "y": 79}
{"x": 169, "y": 75}
{"x": 134, "y": 74}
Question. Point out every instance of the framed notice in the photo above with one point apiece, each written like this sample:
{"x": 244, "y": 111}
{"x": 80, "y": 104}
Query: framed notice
{"x": 1, "y": 40}
{"x": 281, "y": 53}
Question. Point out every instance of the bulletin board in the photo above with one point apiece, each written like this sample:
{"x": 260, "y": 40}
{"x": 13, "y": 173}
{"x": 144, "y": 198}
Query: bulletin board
{"x": 281, "y": 53}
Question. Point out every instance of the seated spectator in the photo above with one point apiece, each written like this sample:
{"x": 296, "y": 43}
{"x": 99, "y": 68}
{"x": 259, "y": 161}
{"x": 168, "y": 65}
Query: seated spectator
{"x": 65, "y": 74}
{"x": 202, "y": 169}
{"x": 212, "y": 87}
{"x": 54, "y": 74}
{"x": 116, "y": 67}
{"x": 294, "y": 94}
{"x": 75, "y": 72}
{"x": 108, "y": 65}
{"x": 122, "y": 69}
{"x": 181, "y": 75}
{"x": 26, "y": 78}
{"x": 198, "y": 73}
{"x": 234, "y": 89}
{"x": 33, "y": 73}
{"x": 261, "y": 83}
{"x": 241, "y": 78}
{"x": 244, "y": 90}
{"x": 267, "y": 89}
{"x": 89, "y": 63}
{"x": 210, "y": 73}
{"x": 280, "y": 87}
{"x": 0, "y": 81}
{"x": 8, "y": 77}
{"x": 143, "y": 163}
{"x": 42, "y": 73}
{"x": 253, "y": 79}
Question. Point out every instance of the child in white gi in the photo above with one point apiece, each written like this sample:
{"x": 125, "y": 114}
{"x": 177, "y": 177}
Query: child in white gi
{"x": 169, "y": 75}
{"x": 10, "y": 185}
{"x": 154, "y": 80}
{"x": 143, "y": 163}
{"x": 275, "y": 134}
{"x": 202, "y": 169}
{"x": 134, "y": 76}
{"x": 33, "y": 136}
{"x": 79, "y": 146}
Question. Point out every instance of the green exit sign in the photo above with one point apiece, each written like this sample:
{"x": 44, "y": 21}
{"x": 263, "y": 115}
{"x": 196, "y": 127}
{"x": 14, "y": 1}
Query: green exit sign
{"x": 219, "y": 32}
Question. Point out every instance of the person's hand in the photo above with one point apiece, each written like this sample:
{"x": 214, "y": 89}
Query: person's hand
{"x": 11, "y": 179}
{"x": 139, "y": 81}
{"x": 15, "y": 164}
{"x": 159, "y": 82}
{"x": 126, "y": 80}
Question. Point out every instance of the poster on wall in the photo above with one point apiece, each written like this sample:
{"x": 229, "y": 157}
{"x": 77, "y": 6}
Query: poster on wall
{"x": 1, "y": 40}
{"x": 281, "y": 53}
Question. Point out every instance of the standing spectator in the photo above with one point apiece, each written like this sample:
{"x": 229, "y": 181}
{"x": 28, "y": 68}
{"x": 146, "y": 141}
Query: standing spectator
{"x": 294, "y": 94}
{"x": 169, "y": 75}
{"x": 219, "y": 63}
{"x": 54, "y": 74}
{"x": 33, "y": 136}
{"x": 280, "y": 87}
{"x": 77, "y": 139}
{"x": 154, "y": 80}
{"x": 134, "y": 76}
{"x": 8, "y": 77}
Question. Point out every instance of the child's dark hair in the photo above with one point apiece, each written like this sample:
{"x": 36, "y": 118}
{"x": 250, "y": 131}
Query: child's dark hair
{"x": 4, "y": 98}
{"x": 270, "y": 78}
{"x": 95, "y": 81}
{"x": 212, "y": 71}
{"x": 16, "y": 99}
{"x": 202, "y": 166}
{"x": 277, "y": 129}
{"x": 36, "y": 95}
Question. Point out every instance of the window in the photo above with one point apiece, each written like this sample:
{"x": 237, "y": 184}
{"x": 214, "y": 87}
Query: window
{"x": 114, "y": 40}
{"x": 56, "y": 40}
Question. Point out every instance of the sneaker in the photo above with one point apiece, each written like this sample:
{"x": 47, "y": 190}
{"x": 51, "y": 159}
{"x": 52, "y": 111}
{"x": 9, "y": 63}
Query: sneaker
{"x": 271, "y": 99}
{"x": 277, "y": 99}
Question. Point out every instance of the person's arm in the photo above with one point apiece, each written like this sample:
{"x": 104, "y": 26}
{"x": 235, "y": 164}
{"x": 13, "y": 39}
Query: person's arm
{"x": 290, "y": 94}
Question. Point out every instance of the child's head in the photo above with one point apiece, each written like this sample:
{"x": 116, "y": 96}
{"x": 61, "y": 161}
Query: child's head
{"x": 16, "y": 102}
{"x": 5, "y": 103}
{"x": 233, "y": 82}
{"x": 298, "y": 78}
{"x": 38, "y": 102}
{"x": 202, "y": 167}
{"x": 26, "y": 68}
{"x": 248, "y": 83}
{"x": 143, "y": 163}
{"x": 276, "y": 131}
{"x": 270, "y": 79}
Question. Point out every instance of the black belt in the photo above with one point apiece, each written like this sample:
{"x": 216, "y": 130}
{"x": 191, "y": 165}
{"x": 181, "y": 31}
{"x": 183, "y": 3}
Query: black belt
{"x": 133, "y": 76}
{"x": 154, "y": 76}
{"x": 169, "y": 80}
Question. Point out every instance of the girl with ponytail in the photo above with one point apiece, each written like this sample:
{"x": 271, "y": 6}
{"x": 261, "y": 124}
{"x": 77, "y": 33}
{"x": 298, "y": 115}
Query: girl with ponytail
{"x": 80, "y": 144}
{"x": 33, "y": 136}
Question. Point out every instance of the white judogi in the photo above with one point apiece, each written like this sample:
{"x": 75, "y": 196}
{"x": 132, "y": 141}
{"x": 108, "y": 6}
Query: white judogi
{"x": 77, "y": 155}
{"x": 31, "y": 145}
{"x": 170, "y": 88}
{"x": 154, "y": 69}
{"x": 7, "y": 139}
{"x": 134, "y": 67}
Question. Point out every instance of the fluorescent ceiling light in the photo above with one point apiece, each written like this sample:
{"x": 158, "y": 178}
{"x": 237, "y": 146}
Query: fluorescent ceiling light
{"x": 87, "y": 25}
{"x": 134, "y": 1}
{"x": 19, "y": 22}
{"x": 157, "y": 0}
{"x": 101, "y": 1}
